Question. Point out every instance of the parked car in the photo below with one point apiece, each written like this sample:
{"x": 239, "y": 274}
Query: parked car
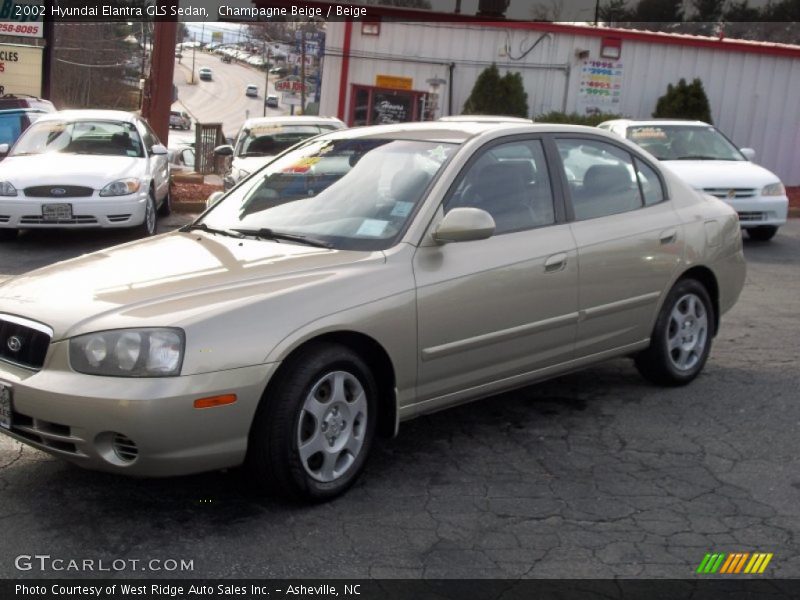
{"x": 710, "y": 162}
{"x": 84, "y": 169}
{"x": 279, "y": 71}
{"x": 262, "y": 138}
{"x": 17, "y": 113}
{"x": 361, "y": 279}
{"x": 205, "y": 73}
{"x": 251, "y": 91}
{"x": 226, "y": 58}
{"x": 180, "y": 119}
{"x": 271, "y": 101}
{"x": 181, "y": 159}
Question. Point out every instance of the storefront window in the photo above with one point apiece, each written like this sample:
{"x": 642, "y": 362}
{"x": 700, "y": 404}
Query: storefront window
{"x": 379, "y": 106}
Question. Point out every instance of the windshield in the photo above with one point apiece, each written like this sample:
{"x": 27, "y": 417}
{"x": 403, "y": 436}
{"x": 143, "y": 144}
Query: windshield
{"x": 684, "y": 142}
{"x": 355, "y": 194}
{"x": 112, "y": 138}
{"x": 272, "y": 139}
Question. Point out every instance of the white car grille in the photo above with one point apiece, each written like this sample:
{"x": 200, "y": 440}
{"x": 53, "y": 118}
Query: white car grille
{"x": 731, "y": 193}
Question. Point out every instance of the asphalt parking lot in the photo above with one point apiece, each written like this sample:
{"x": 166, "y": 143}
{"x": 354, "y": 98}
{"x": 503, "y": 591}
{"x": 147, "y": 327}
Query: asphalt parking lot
{"x": 594, "y": 474}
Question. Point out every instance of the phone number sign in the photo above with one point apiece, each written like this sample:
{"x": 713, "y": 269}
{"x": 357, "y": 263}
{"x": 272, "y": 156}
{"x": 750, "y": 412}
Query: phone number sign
{"x": 22, "y": 18}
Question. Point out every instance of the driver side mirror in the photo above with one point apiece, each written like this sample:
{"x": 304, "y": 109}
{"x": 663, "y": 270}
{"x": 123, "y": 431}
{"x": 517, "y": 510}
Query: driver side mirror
{"x": 4, "y": 148}
{"x": 214, "y": 198}
{"x": 224, "y": 150}
{"x": 159, "y": 150}
{"x": 464, "y": 225}
{"x": 748, "y": 153}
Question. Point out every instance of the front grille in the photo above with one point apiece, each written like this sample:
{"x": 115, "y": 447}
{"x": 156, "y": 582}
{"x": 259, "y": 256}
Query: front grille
{"x": 45, "y": 433}
{"x": 4, "y": 218}
{"x": 118, "y": 218}
{"x": 751, "y": 216}
{"x": 124, "y": 448}
{"x": 21, "y": 344}
{"x": 40, "y": 220}
{"x": 59, "y": 191}
{"x": 731, "y": 193}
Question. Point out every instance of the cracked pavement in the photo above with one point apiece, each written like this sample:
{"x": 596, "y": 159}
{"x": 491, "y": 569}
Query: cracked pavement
{"x": 596, "y": 474}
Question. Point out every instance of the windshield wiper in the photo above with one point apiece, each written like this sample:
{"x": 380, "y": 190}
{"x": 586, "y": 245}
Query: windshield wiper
{"x": 206, "y": 228}
{"x": 269, "y": 234}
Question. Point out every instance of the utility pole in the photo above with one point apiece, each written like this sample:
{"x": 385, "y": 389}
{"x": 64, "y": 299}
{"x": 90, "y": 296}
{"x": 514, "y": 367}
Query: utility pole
{"x": 303, "y": 71}
{"x": 158, "y": 97}
{"x": 194, "y": 52}
{"x": 266, "y": 80}
{"x": 48, "y": 55}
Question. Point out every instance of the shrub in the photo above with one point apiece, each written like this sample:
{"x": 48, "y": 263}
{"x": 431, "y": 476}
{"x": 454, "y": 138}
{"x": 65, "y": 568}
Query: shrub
{"x": 495, "y": 95}
{"x": 575, "y": 118}
{"x": 684, "y": 101}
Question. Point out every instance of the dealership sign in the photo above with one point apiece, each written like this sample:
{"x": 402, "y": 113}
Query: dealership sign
{"x": 294, "y": 86}
{"x": 20, "y": 69}
{"x": 22, "y": 18}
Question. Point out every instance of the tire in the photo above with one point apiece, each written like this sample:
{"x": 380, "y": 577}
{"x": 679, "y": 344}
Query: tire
{"x": 149, "y": 226}
{"x": 166, "y": 206}
{"x": 681, "y": 338}
{"x": 762, "y": 234}
{"x": 8, "y": 235}
{"x": 313, "y": 432}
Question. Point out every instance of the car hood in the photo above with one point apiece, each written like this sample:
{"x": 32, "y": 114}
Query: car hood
{"x": 250, "y": 164}
{"x": 721, "y": 173}
{"x": 170, "y": 280}
{"x": 69, "y": 169}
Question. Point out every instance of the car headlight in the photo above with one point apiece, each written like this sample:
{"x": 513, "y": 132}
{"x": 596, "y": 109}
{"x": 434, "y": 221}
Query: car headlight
{"x": 774, "y": 189}
{"x": 123, "y": 187}
{"x": 150, "y": 352}
{"x": 6, "y": 189}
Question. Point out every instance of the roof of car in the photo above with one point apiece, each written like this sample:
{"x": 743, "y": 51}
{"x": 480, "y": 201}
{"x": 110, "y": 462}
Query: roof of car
{"x": 460, "y": 131}
{"x": 289, "y": 120}
{"x": 653, "y": 122}
{"x": 484, "y": 119}
{"x": 90, "y": 114}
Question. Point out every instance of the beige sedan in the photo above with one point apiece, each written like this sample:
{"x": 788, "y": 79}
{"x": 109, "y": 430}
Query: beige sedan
{"x": 363, "y": 278}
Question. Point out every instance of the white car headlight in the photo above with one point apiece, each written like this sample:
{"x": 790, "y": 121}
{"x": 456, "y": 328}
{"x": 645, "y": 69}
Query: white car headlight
{"x": 123, "y": 187}
{"x": 6, "y": 189}
{"x": 150, "y": 352}
{"x": 774, "y": 189}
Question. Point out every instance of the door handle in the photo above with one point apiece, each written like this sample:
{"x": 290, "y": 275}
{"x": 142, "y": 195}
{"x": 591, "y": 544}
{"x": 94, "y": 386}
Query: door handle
{"x": 669, "y": 236}
{"x": 556, "y": 262}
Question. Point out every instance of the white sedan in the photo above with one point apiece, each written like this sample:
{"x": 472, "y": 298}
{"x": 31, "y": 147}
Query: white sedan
{"x": 84, "y": 168}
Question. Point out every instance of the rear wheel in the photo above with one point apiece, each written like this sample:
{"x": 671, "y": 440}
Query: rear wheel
{"x": 763, "y": 233}
{"x": 681, "y": 339}
{"x": 312, "y": 434}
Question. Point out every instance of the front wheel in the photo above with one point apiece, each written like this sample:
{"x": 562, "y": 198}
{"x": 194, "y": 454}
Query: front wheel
{"x": 762, "y": 234}
{"x": 148, "y": 226}
{"x": 681, "y": 339}
{"x": 312, "y": 433}
{"x": 8, "y": 235}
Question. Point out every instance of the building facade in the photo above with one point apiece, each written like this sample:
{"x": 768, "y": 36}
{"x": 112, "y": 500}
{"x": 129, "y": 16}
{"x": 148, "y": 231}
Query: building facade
{"x": 395, "y": 71}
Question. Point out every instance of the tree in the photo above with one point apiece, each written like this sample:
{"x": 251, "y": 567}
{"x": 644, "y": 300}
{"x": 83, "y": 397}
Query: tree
{"x": 684, "y": 101}
{"x": 495, "y": 95}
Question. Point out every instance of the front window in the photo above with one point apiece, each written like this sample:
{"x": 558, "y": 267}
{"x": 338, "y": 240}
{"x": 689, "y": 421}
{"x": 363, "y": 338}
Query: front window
{"x": 111, "y": 138}
{"x": 684, "y": 142}
{"x": 272, "y": 139}
{"x": 356, "y": 194}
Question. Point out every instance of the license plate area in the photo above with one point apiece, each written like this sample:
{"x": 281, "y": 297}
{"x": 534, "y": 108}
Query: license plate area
{"x": 5, "y": 406}
{"x": 56, "y": 212}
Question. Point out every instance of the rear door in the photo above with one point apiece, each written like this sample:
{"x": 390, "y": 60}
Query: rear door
{"x": 629, "y": 241}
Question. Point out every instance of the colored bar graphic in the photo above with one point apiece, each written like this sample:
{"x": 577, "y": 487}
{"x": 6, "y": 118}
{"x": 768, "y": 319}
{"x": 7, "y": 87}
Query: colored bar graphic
{"x": 734, "y": 563}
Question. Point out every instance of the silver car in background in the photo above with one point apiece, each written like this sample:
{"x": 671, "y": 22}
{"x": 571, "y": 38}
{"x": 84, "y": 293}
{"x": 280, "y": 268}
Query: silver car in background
{"x": 361, "y": 279}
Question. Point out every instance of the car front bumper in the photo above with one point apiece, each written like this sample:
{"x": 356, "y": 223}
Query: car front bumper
{"x": 761, "y": 210}
{"x": 25, "y": 212}
{"x": 134, "y": 426}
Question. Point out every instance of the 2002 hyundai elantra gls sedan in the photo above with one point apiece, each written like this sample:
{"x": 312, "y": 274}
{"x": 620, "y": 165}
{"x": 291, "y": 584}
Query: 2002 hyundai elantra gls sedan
{"x": 362, "y": 278}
